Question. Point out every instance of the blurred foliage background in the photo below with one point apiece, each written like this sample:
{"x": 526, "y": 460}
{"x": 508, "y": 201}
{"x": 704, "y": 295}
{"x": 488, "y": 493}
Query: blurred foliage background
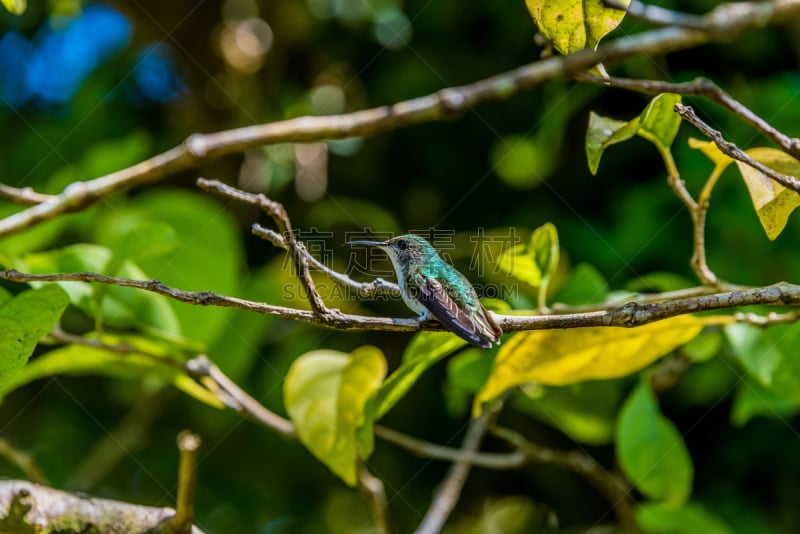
{"x": 89, "y": 88}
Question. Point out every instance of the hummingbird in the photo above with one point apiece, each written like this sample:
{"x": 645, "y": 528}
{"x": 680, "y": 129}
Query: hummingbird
{"x": 432, "y": 287}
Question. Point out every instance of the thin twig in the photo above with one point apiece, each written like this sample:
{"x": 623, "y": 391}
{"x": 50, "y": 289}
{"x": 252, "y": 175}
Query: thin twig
{"x": 628, "y": 315}
{"x": 202, "y": 367}
{"x": 487, "y": 460}
{"x": 286, "y": 239}
{"x": 706, "y": 88}
{"x": 277, "y": 213}
{"x": 733, "y": 151}
{"x": 450, "y": 490}
{"x": 23, "y": 460}
{"x": 188, "y": 445}
{"x": 724, "y": 22}
{"x": 375, "y": 494}
{"x": 615, "y": 490}
{"x": 659, "y": 16}
{"x": 24, "y": 196}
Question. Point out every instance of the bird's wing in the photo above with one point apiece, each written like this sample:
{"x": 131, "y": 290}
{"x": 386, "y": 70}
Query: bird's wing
{"x": 433, "y": 296}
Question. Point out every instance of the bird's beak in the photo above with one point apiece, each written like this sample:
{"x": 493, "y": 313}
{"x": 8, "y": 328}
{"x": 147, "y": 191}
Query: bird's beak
{"x": 371, "y": 243}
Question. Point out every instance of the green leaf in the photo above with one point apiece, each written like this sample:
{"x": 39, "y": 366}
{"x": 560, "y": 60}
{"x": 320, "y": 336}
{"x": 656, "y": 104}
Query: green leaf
{"x": 12, "y": 349}
{"x": 38, "y": 310}
{"x": 561, "y": 357}
{"x": 705, "y": 346}
{"x": 85, "y": 360}
{"x": 586, "y": 412}
{"x": 467, "y": 372}
{"x": 203, "y": 254}
{"x": 326, "y": 393}
{"x": 544, "y": 243}
{"x": 585, "y": 285}
{"x": 752, "y": 399}
{"x": 769, "y": 356}
{"x": 533, "y": 262}
{"x": 658, "y": 123}
{"x": 572, "y": 25}
{"x": 658, "y": 281}
{"x": 604, "y": 132}
{"x": 689, "y": 519}
{"x": 522, "y": 162}
{"x": 27, "y": 318}
{"x": 651, "y": 451}
{"x": 123, "y": 307}
{"x": 772, "y": 201}
{"x": 17, "y": 7}
{"x": 425, "y": 349}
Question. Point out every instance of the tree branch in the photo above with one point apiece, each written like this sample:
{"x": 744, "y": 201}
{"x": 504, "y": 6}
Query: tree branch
{"x": 629, "y": 315}
{"x": 24, "y": 196}
{"x": 612, "y": 487}
{"x": 282, "y": 239}
{"x": 450, "y": 490}
{"x": 25, "y": 504}
{"x": 659, "y": 16}
{"x": 722, "y": 23}
{"x": 202, "y": 367}
{"x": 733, "y": 151}
{"x": 706, "y": 88}
{"x": 188, "y": 445}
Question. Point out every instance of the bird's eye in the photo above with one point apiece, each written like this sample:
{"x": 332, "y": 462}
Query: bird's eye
{"x": 402, "y": 244}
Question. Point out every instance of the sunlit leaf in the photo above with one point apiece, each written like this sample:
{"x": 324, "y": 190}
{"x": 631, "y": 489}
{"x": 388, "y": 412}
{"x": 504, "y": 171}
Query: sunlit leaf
{"x": 325, "y": 393}
{"x": 79, "y": 360}
{"x": 573, "y": 25}
{"x": 122, "y": 306}
{"x": 17, "y": 7}
{"x": 425, "y": 349}
{"x": 772, "y": 201}
{"x": 711, "y": 151}
{"x": 559, "y": 357}
{"x": 544, "y": 244}
{"x": 658, "y": 123}
{"x": 651, "y": 451}
{"x": 586, "y": 412}
{"x": 533, "y": 262}
{"x": 692, "y": 518}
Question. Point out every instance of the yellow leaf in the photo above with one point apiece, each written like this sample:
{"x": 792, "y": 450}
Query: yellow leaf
{"x": 773, "y": 202}
{"x": 560, "y": 357}
{"x": 326, "y": 393}
{"x": 710, "y": 150}
{"x": 17, "y": 7}
{"x": 573, "y": 25}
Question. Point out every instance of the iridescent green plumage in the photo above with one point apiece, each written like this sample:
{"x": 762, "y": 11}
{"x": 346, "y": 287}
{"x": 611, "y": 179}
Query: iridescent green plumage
{"x": 432, "y": 287}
